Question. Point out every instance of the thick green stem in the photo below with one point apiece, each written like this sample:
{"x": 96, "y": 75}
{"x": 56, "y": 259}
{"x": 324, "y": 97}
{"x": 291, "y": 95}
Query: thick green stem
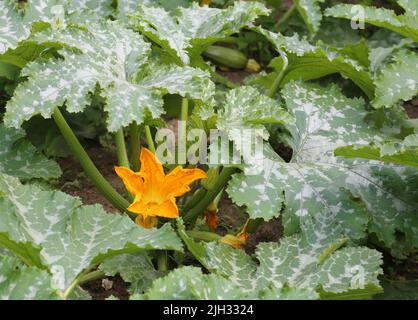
{"x": 284, "y": 19}
{"x": 196, "y": 198}
{"x": 277, "y": 81}
{"x": 135, "y": 144}
{"x": 223, "y": 179}
{"x": 204, "y": 235}
{"x": 182, "y": 145}
{"x": 94, "y": 275}
{"x": 150, "y": 140}
{"x": 121, "y": 149}
{"x": 89, "y": 168}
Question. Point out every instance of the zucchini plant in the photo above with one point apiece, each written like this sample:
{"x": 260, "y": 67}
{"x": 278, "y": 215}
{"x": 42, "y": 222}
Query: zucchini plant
{"x": 343, "y": 110}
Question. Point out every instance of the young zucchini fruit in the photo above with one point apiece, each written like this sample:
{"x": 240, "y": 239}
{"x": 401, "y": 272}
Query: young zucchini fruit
{"x": 230, "y": 58}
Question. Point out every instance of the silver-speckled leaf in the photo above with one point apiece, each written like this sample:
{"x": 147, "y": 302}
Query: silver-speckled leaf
{"x": 359, "y": 194}
{"x": 113, "y": 57}
{"x": 307, "y": 62}
{"x": 403, "y": 152}
{"x": 310, "y": 12}
{"x": 137, "y": 269}
{"x": 19, "y": 158}
{"x": 52, "y": 229}
{"x": 308, "y": 261}
{"x": 246, "y": 111}
{"x": 188, "y": 31}
{"x": 18, "y": 282}
{"x": 397, "y": 81}
{"x": 16, "y": 20}
{"x": 406, "y": 25}
{"x": 187, "y": 283}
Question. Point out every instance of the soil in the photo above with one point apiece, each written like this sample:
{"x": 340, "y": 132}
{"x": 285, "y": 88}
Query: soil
{"x": 75, "y": 183}
{"x": 411, "y": 108}
{"x": 268, "y": 231}
{"x": 102, "y": 289}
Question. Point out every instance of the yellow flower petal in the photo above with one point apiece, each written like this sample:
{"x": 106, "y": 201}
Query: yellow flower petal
{"x": 147, "y": 222}
{"x": 154, "y": 191}
{"x": 177, "y": 182}
{"x": 132, "y": 180}
{"x": 167, "y": 209}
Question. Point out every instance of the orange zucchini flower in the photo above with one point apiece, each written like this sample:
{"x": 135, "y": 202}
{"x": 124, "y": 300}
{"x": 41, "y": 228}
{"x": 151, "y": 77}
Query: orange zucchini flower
{"x": 155, "y": 192}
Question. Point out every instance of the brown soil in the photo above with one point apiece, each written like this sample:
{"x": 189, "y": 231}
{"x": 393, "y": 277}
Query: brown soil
{"x": 98, "y": 290}
{"x": 74, "y": 181}
{"x": 411, "y": 108}
{"x": 236, "y": 77}
{"x": 268, "y": 231}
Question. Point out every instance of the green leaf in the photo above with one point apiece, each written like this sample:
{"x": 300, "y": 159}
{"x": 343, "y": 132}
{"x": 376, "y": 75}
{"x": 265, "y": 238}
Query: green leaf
{"x": 16, "y": 19}
{"x": 406, "y": 25}
{"x": 304, "y": 262}
{"x": 137, "y": 269}
{"x": 18, "y": 157}
{"x": 188, "y": 31}
{"x": 359, "y": 194}
{"x": 51, "y": 229}
{"x": 102, "y": 8}
{"x": 247, "y": 109}
{"x": 113, "y": 57}
{"x": 307, "y": 62}
{"x": 403, "y": 152}
{"x": 410, "y": 6}
{"x": 187, "y": 283}
{"x": 310, "y": 12}
{"x": 397, "y": 81}
{"x": 18, "y": 282}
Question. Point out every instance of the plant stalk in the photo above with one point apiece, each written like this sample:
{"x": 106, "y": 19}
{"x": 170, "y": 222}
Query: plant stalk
{"x": 203, "y": 235}
{"x": 135, "y": 144}
{"x": 89, "y": 168}
{"x": 150, "y": 140}
{"x": 182, "y": 145}
{"x": 121, "y": 149}
{"x": 277, "y": 81}
{"x": 284, "y": 19}
{"x": 211, "y": 194}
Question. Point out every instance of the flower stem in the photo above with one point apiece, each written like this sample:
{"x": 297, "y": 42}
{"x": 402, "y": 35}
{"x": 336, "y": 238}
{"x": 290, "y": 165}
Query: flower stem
{"x": 121, "y": 148}
{"x": 150, "y": 140}
{"x": 89, "y": 168}
{"x": 198, "y": 196}
{"x": 134, "y": 133}
{"x": 277, "y": 81}
{"x": 94, "y": 275}
{"x": 182, "y": 145}
{"x": 284, "y": 19}
{"x": 203, "y": 235}
{"x": 211, "y": 194}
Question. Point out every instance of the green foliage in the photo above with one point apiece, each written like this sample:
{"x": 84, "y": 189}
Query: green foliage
{"x": 132, "y": 85}
{"x": 406, "y": 25}
{"x": 52, "y": 230}
{"x": 357, "y": 193}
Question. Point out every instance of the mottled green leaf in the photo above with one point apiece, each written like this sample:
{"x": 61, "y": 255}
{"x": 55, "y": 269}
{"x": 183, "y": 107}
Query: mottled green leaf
{"x": 18, "y": 282}
{"x": 307, "y": 62}
{"x": 19, "y": 158}
{"x": 16, "y": 19}
{"x": 403, "y": 152}
{"x": 397, "y": 81}
{"x": 137, "y": 269}
{"x": 113, "y": 57}
{"x": 188, "y": 31}
{"x": 245, "y": 112}
{"x": 306, "y": 262}
{"x": 310, "y": 12}
{"x": 51, "y": 229}
{"x": 360, "y": 194}
{"x": 406, "y": 25}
